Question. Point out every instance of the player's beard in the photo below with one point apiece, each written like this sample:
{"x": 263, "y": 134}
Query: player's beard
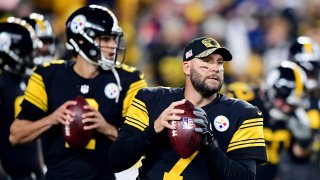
{"x": 200, "y": 85}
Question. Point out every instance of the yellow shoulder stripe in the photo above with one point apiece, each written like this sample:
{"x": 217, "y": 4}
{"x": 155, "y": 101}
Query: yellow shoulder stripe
{"x": 137, "y": 115}
{"x": 57, "y": 61}
{"x": 132, "y": 91}
{"x": 128, "y": 68}
{"x": 35, "y": 92}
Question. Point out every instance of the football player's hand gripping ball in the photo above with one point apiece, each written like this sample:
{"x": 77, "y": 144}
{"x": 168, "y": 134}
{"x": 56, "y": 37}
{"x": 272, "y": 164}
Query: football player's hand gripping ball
{"x": 204, "y": 127}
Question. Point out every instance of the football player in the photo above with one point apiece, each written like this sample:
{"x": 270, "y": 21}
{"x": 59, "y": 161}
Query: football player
{"x": 18, "y": 44}
{"x": 95, "y": 38}
{"x": 231, "y": 129}
{"x": 45, "y": 52}
{"x": 286, "y": 124}
{"x": 306, "y": 53}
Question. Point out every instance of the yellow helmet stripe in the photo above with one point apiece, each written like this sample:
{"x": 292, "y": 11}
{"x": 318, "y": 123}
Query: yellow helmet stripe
{"x": 298, "y": 82}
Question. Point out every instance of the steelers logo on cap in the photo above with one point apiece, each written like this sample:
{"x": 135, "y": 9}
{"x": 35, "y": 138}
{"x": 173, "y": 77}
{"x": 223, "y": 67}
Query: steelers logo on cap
{"x": 221, "y": 123}
{"x": 210, "y": 42}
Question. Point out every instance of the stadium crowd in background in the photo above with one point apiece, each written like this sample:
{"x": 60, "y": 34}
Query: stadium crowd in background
{"x": 257, "y": 32}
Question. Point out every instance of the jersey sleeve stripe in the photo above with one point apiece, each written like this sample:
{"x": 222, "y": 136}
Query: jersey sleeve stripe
{"x": 33, "y": 99}
{"x": 138, "y": 119}
{"x": 137, "y": 115}
{"x": 253, "y": 120}
{"x": 139, "y": 107}
{"x": 251, "y": 125}
{"x": 136, "y": 123}
{"x": 261, "y": 140}
{"x": 246, "y": 145}
{"x": 132, "y": 91}
{"x": 35, "y": 92}
{"x": 37, "y": 79}
{"x": 132, "y": 119}
{"x": 247, "y": 133}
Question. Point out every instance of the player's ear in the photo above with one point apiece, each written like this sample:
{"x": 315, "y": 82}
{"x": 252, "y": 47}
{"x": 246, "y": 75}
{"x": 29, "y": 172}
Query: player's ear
{"x": 186, "y": 66}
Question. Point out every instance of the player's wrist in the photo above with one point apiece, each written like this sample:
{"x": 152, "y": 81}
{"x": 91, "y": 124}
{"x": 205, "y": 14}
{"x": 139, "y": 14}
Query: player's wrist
{"x": 49, "y": 121}
{"x": 214, "y": 145}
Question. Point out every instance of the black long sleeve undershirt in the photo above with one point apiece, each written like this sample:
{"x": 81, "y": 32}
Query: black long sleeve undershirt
{"x": 128, "y": 149}
{"x": 229, "y": 168}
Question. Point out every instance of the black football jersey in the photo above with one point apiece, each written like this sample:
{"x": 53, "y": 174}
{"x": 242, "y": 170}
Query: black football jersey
{"x": 19, "y": 160}
{"x": 55, "y": 83}
{"x": 237, "y": 127}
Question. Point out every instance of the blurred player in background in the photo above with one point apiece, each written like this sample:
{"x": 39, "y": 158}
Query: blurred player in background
{"x": 289, "y": 123}
{"x": 45, "y": 52}
{"x": 286, "y": 124}
{"x": 18, "y": 44}
{"x": 95, "y": 38}
{"x": 306, "y": 53}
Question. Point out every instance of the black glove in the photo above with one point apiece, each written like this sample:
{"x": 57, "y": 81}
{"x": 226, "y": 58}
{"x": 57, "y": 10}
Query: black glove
{"x": 203, "y": 126}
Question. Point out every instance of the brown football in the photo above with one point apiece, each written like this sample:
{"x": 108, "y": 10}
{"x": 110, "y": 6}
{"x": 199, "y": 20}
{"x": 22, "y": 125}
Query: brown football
{"x": 184, "y": 140}
{"x": 74, "y": 134}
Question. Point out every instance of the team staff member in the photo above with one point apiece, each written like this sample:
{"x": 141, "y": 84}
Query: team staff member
{"x": 94, "y": 36}
{"x": 231, "y": 129}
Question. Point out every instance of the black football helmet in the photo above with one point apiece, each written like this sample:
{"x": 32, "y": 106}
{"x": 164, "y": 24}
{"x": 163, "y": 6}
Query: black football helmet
{"x": 88, "y": 23}
{"x": 286, "y": 82}
{"x": 17, "y": 45}
{"x": 46, "y": 49}
{"x": 306, "y": 53}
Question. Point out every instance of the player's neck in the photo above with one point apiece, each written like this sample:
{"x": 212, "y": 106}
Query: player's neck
{"x": 86, "y": 69}
{"x": 196, "y": 98}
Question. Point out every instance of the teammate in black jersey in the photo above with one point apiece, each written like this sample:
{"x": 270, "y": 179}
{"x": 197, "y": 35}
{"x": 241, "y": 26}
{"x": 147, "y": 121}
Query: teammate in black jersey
{"x": 305, "y": 52}
{"x": 232, "y": 133}
{"x": 17, "y": 46}
{"x": 94, "y": 37}
{"x": 286, "y": 124}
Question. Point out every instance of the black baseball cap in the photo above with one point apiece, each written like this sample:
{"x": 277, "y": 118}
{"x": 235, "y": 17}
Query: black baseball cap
{"x": 203, "y": 47}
